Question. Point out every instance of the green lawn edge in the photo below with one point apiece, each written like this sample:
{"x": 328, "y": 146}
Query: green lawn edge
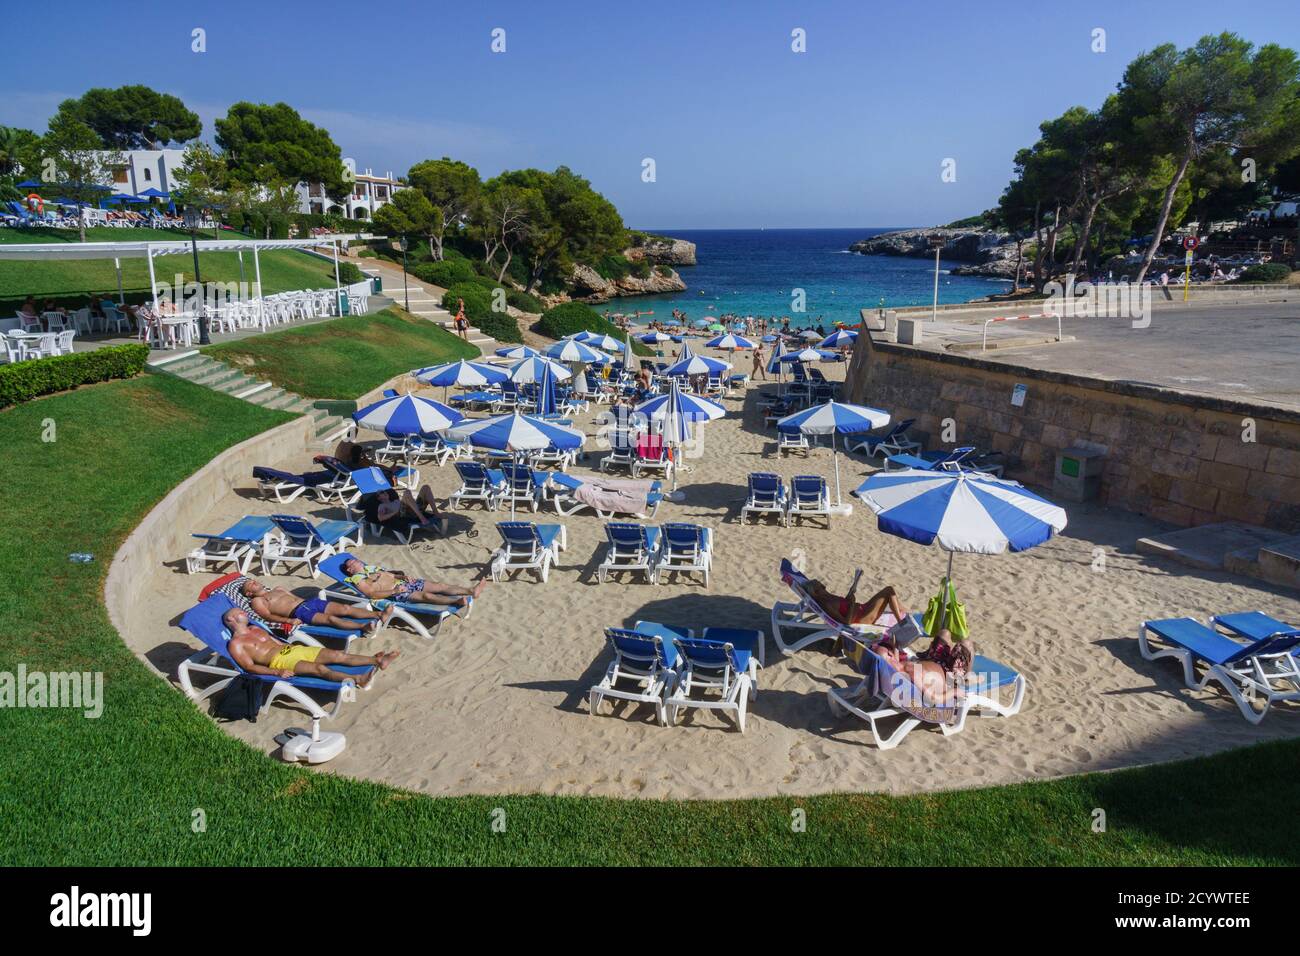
{"x": 154, "y": 782}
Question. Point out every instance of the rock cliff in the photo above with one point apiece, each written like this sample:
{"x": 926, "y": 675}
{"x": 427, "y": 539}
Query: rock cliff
{"x": 983, "y": 252}
{"x": 587, "y": 285}
{"x": 661, "y": 250}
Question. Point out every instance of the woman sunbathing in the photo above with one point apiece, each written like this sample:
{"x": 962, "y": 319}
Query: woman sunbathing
{"x": 847, "y": 611}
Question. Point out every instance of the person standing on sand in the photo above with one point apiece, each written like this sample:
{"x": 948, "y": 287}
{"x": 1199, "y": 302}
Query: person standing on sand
{"x": 760, "y": 367}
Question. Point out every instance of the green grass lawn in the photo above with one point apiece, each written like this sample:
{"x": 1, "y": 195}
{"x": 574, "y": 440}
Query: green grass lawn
{"x": 344, "y": 358}
{"x": 71, "y": 282}
{"x": 124, "y": 788}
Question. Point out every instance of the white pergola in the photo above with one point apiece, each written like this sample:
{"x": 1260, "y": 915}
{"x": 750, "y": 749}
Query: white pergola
{"x": 151, "y": 249}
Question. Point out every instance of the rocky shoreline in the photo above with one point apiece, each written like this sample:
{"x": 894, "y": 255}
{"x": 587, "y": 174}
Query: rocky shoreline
{"x": 982, "y": 252}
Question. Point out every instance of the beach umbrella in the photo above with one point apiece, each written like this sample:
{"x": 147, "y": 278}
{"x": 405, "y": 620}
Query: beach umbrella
{"x": 702, "y": 323}
{"x": 807, "y": 355}
{"x": 30, "y": 184}
{"x": 698, "y": 365}
{"x": 154, "y": 193}
{"x": 839, "y": 339}
{"x": 546, "y": 394}
{"x": 686, "y": 351}
{"x": 810, "y": 334}
{"x": 774, "y": 366}
{"x": 963, "y": 510}
{"x": 833, "y": 418}
{"x": 771, "y": 337}
{"x": 675, "y": 410}
{"x": 460, "y": 373}
{"x": 407, "y": 415}
{"x": 629, "y": 357}
{"x": 654, "y": 338}
{"x": 518, "y": 352}
{"x": 571, "y": 350}
{"x": 517, "y": 433}
{"x": 598, "y": 340}
{"x": 530, "y": 370}
{"x": 729, "y": 341}
{"x": 717, "y": 327}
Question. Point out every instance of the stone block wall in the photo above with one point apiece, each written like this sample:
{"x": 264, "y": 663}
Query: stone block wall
{"x": 1180, "y": 458}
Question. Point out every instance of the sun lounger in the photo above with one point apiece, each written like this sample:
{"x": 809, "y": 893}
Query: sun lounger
{"x": 885, "y": 693}
{"x": 564, "y": 495}
{"x": 809, "y": 497}
{"x": 424, "y": 619}
{"x": 303, "y": 541}
{"x": 724, "y": 661}
{"x": 630, "y": 547}
{"x": 229, "y": 585}
{"x": 686, "y": 548}
{"x": 652, "y": 454}
{"x": 239, "y": 544}
{"x": 285, "y": 486}
{"x": 766, "y": 496}
{"x": 792, "y": 439}
{"x": 478, "y": 483}
{"x": 404, "y": 526}
{"x": 893, "y": 442}
{"x": 523, "y": 485}
{"x": 647, "y": 661}
{"x": 1261, "y": 670}
{"x": 622, "y": 454}
{"x": 527, "y": 546}
{"x": 802, "y": 624}
{"x": 203, "y": 621}
{"x": 963, "y": 457}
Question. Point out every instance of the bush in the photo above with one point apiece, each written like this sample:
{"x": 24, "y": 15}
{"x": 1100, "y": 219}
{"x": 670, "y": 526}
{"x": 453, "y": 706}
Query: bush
{"x": 23, "y": 381}
{"x": 570, "y": 318}
{"x": 444, "y": 274}
{"x": 525, "y": 302}
{"x": 612, "y": 267}
{"x": 664, "y": 271}
{"x": 349, "y": 273}
{"x": 478, "y": 309}
{"x": 501, "y": 326}
{"x": 1266, "y": 272}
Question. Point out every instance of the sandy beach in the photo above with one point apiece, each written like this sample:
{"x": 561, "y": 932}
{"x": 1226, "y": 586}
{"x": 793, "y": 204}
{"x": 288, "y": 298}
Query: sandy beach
{"x": 498, "y": 702}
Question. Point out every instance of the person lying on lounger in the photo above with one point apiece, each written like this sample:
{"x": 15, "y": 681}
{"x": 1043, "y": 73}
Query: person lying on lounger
{"x": 939, "y": 686}
{"x": 955, "y": 657}
{"x": 847, "y": 611}
{"x": 399, "y": 511}
{"x": 259, "y": 653}
{"x": 281, "y": 606}
{"x": 379, "y": 583}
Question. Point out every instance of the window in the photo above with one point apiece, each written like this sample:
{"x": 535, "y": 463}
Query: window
{"x": 148, "y": 175}
{"x": 119, "y": 175}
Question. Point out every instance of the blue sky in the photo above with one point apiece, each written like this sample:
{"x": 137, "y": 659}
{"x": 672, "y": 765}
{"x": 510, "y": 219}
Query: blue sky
{"x": 743, "y": 131}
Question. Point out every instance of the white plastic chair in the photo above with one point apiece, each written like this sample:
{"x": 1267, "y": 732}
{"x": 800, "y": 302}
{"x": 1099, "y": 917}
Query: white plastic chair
{"x": 63, "y": 342}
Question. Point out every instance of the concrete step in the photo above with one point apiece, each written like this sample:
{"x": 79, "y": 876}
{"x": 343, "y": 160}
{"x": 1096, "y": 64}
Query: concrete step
{"x": 1211, "y": 547}
{"x": 256, "y": 388}
{"x": 214, "y": 375}
{"x": 235, "y": 384}
{"x": 1280, "y": 563}
{"x": 266, "y": 396}
{"x": 165, "y": 359}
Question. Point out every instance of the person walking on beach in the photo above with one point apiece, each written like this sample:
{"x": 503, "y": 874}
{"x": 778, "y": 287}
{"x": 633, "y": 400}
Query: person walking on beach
{"x": 760, "y": 367}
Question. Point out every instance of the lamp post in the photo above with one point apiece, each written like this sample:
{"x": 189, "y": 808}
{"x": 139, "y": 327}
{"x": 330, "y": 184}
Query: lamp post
{"x": 192, "y": 222}
{"x": 406, "y": 296}
{"x": 936, "y": 243}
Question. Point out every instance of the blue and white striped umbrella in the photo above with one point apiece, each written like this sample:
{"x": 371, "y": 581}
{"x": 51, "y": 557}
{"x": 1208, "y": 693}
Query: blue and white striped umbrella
{"x": 810, "y": 334}
{"x": 532, "y": 369}
{"x": 518, "y": 352}
{"x": 698, "y": 365}
{"x": 654, "y": 338}
{"x": 598, "y": 340}
{"x": 833, "y": 419}
{"x": 807, "y": 355}
{"x": 839, "y": 339}
{"x": 675, "y": 410}
{"x": 517, "y": 432}
{"x": 407, "y": 415}
{"x": 686, "y": 350}
{"x": 461, "y": 373}
{"x": 962, "y": 510}
{"x": 571, "y": 350}
{"x": 729, "y": 341}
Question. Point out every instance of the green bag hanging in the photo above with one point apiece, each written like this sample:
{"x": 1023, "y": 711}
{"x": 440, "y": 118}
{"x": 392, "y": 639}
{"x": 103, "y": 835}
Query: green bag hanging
{"x": 955, "y": 621}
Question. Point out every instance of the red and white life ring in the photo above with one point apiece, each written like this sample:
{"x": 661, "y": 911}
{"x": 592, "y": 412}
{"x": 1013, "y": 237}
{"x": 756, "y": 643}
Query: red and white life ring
{"x": 35, "y": 203}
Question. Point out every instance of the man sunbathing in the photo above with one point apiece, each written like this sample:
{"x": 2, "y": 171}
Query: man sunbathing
{"x": 847, "y": 611}
{"x": 401, "y": 511}
{"x": 281, "y": 606}
{"x": 379, "y": 583}
{"x": 259, "y": 653}
{"x": 939, "y": 685}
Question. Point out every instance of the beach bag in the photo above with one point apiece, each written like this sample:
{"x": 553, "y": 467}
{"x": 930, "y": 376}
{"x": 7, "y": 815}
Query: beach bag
{"x": 241, "y": 700}
{"x": 955, "y": 621}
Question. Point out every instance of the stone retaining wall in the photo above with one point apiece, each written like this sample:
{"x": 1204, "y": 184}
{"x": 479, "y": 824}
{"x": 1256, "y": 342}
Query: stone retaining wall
{"x": 1179, "y": 458}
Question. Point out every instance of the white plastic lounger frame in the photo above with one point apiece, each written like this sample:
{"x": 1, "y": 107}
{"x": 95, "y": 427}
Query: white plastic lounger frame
{"x": 810, "y": 497}
{"x": 539, "y": 557}
{"x": 651, "y": 680}
{"x": 627, "y": 549}
{"x": 735, "y": 689}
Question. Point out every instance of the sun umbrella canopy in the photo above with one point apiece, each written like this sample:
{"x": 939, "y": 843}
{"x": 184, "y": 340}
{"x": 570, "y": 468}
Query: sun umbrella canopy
{"x": 698, "y": 365}
{"x": 407, "y": 415}
{"x": 688, "y": 407}
{"x": 532, "y": 369}
{"x": 597, "y": 340}
{"x": 571, "y": 350}
{"x": 517, "y": 432}
{"x": 839, "y": 339}
{"x": 729, "y": 341}
{"x": 962, "y": 510}
{"x": 460, "y": 373}
{"x": 518, "y": 352}
{"x": 835, "y": 418}
{"x": 154, "y": 193}
{"x": 654, "y": 338}
{"x": 686, "y": 351}
{"x": 702, "y": 323}
{"x": 806, "y": 355}
{"x": 810, "y": 334}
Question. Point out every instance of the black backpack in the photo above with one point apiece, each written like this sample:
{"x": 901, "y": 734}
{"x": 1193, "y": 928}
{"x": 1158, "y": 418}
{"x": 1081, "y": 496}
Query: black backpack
{"x": 241, "y": 700}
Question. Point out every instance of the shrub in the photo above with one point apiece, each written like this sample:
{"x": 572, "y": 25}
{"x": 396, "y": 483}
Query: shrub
{"x": 612, "y": 267}
{"x": 1266, "y": 272}
{"x": 349, "y": 273}
{"x": 641, "y": 269}
{"x": 501, "y": 326}
{"x": 444, "y": 274}
{"x": 525, "y": 302}
{"x": 478, "y": 309}
{"x": 664, "y": 271}
{"x": 570, "y": 318}
{"x": 23, "y": 381}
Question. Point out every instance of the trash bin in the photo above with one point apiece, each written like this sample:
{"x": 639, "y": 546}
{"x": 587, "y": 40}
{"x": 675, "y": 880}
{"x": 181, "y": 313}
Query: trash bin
{"x": 1078, "y": 474}
{"x": 376, "y": 284}
{"x": 344, "y": 306}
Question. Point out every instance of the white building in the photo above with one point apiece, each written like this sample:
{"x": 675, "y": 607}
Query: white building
{"x": 369, "y": 192}
{"x": 147, "y": 169}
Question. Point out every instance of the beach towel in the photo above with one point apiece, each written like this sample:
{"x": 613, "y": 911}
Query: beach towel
{"x": 624, "y": 496}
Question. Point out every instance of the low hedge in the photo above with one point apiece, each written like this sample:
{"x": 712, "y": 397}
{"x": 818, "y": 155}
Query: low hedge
{"x": 23, "y": 381}
{"x": 350, "y": 274}
{"x": 444, "y": 274}
{"x": 525, "y": 302}
{"x": 570, "y": 318}
{"x": 1266, "y": 272}
{"x": 478, "y": 309}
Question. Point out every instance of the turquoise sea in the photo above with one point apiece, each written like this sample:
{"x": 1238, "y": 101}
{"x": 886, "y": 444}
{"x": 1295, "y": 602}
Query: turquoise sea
{"x": 753, "y": 271}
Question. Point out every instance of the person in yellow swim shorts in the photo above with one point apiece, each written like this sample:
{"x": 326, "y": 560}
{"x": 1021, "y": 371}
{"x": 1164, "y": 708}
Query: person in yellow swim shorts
{"x": 258, "y": 652}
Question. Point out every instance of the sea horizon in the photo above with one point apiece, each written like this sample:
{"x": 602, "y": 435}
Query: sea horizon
{"x": 759, "y": 271}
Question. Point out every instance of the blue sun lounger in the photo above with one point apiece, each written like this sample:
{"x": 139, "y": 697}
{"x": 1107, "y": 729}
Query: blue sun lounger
{"x": 285, "y": 486}
{"x": 724, "y": 660}
{"x": 300, "y": 540}
{"x": 203, "y": 621}
{"x": 647, "y": 661}
{"x": 893, "y": 442}
{"x": 424, "y": 619}
{"x": 766, "y": 496}
{"x": 1260, "y": 670}
{"x": 686, "y": 548}
{"x": 629, "y": 547}
{"x": 478, "y": 483}
{"x": 527, "y": 546}
{"x": 239, "y": 544}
